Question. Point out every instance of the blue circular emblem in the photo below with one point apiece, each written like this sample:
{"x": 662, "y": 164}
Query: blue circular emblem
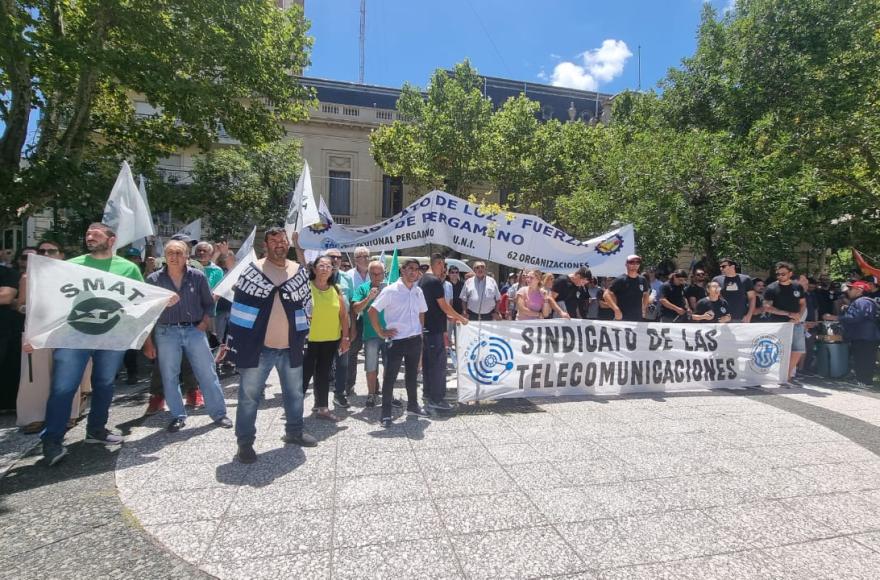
{"x": 765, "y": 352}
{"x": 489, "y": 359}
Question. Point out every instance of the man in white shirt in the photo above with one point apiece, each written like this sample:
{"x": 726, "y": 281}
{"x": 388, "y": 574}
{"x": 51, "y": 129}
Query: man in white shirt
{"x": 404, "y": 306}
{"x": 480, "y": 295}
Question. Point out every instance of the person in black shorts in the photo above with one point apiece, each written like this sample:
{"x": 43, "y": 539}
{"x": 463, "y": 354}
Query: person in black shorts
{"x": 712, "y": 308}
{"x": 629, "y": 294}
{"x": 673, "y": 303}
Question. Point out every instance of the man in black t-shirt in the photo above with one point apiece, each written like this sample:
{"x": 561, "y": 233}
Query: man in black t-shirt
{"x": 696, "y": 290}
{"x": 629, "y": 294}
{"x": 566, "y": 290}
{"x": 673, "y": 304}
{"x": 737, "y": 290}
{"x": 434, "y": 338}
{"x": 785, "y": 301}
{"x": 713, "y": 308}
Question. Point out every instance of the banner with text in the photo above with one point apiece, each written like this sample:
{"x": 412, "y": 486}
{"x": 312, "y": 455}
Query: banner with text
{"x": 72, "y": 306}
{"x": 544, "y": 358}
{"x": 441, "y": 218}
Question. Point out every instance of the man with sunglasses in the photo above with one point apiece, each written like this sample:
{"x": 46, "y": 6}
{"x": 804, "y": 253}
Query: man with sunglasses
{"x": 737, "y": 290}
{"x": 785, "y": 301}
{"x": 696, "y": 290}
{"x": 629, "y": 294}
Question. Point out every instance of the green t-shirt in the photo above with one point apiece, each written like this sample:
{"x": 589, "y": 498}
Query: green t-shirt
{"x": 214, "y": 274}
{"x": 345, "y": 283}
{"x": 360, "y": 293}
{"x": 115, "y": 265}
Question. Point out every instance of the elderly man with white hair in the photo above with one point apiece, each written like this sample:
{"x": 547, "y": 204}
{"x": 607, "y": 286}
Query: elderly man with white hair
{"x": 359, "y": 276}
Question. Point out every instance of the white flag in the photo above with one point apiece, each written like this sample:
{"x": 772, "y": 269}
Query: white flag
{"x": 245, "y": 248}
{"x": 302, "y": 212}
{"x": 192, "y": 229}
{"x": 126, "y": 212}
{"x": 73, "y": 306}
{"x": 225, "y": 288}
{"x": 141, "y": 243}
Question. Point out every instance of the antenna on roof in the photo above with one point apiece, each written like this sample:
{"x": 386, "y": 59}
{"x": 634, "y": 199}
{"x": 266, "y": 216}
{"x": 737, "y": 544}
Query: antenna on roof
{"x": 640, "y": 69}
{"x": 363, "y": 35}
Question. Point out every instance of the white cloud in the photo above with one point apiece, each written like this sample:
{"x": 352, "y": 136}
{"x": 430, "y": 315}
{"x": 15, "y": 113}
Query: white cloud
{"x": 600, "y": 65}
{"x": 554, "y": 56}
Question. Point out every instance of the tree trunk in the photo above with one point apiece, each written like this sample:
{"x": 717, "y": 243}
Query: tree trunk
{"x": 18, "y": 71}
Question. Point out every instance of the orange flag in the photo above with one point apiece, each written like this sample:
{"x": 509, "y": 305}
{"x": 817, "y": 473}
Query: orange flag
{"x": 866, "y": 268}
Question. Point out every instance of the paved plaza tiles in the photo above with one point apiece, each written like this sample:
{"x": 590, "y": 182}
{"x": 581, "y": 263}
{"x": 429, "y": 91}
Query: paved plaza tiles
{"x": 757, "y": 483}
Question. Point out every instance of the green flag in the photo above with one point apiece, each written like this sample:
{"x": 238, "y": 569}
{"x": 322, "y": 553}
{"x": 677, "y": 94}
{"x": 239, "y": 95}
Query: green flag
{"x": 394, "y": 270}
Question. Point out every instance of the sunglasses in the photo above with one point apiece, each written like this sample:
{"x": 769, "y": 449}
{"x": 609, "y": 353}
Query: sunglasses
{"x": 633, "y": 261}
{"x": 48, "y": 251}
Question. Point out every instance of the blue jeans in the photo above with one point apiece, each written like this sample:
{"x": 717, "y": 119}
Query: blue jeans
{"x": 250, "y": 392}
{"x": 340, "y": 378}
{"x": 67, "y": 371}
{"x": 171, "y": 343}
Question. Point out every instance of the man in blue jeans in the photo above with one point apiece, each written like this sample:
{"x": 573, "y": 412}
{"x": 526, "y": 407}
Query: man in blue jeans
{"x": 181, "y": 329}
{"x": 70, "y": 363}
{"x": 267, "y": 329}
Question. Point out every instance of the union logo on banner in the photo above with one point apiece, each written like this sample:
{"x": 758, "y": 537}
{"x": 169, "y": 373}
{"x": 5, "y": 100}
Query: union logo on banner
{"x": 610, "y": 245}
{"x": 766, "y": 351}
{"x": 489, "y": 359}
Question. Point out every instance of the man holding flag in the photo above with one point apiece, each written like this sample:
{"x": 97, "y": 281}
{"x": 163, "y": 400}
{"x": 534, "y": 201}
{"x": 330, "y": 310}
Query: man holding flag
{"x": 69, "y": 363}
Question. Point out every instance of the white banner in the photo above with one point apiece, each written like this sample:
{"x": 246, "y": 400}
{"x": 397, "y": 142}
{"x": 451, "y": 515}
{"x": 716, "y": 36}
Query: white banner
{"x": 243, "y": 258}
{"x": 523, "y": 241}
{"x": 545, "y": 358}
{"x": 126, "y": 211}
{"x": 72, "y": 306}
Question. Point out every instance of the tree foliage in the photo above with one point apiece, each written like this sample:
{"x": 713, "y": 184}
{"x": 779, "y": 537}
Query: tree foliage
{"x": 204, "y": 66}
{"x": 239, "y": 187}
{"x": 763, "y": 144}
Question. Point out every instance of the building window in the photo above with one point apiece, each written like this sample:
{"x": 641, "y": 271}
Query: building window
{"x": 340, "y": 192}
{"x": 392, "y": 195}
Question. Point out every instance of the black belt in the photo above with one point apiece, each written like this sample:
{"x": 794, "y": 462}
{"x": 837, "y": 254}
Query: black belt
{"x": 179, "y": 323}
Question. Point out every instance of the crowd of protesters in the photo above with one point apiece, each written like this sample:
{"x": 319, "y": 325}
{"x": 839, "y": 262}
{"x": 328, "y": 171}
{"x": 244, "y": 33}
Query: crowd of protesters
{"x": 407, "y": 322}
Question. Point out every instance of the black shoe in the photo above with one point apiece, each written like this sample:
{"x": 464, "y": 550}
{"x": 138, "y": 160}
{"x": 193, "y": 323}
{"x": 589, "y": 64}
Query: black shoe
{"x": 371, "y": 401}
{"x": 246, "y": 454}
{"x": 303, "y": 440}
{"x": 176, "y": 425}
{"x": 416, "y": 411}
{"x": 53, "y": 452}
{"x": 441, "y": 406}
{"x": 104, "y": 437}
{"x": 224, "y": 422}
{"x": 397, "y": 403}
{"x": 340, "y": 400}
{"x": 349, "y": 391}
{"x": 386, "y": 422}
{"x": 131, "y": 379}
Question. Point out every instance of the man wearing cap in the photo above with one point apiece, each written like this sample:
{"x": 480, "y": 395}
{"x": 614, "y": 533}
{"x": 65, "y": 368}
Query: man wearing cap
{"x": 737, "y": 290}
{"x": 404, "y": 306}
{"x": 629, "y": 294}
{"x": 859, "y": 321}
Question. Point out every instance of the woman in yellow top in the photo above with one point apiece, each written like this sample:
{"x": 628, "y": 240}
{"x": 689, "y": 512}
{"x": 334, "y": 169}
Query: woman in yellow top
{"x": 328, "y": 332}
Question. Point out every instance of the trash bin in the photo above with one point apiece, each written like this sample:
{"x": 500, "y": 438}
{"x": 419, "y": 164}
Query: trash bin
{"x": 832, "y": 359}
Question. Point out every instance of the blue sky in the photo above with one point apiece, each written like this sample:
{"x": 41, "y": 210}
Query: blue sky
{"x": 578, "y": 43}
